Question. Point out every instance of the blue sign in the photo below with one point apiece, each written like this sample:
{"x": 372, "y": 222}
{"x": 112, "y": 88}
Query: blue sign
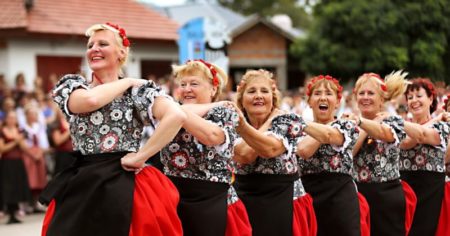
{"x": 192, "y": 40}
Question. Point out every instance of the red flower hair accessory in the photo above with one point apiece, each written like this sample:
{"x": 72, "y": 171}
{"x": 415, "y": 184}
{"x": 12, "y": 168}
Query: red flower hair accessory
{"x": 324, "y": 77}
{"x": 122, "y": 33}
{"x": 383, "y": 84}
{"x": 215, "y": 80}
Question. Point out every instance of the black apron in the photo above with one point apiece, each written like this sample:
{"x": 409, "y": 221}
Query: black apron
{"x": 93, "y": 197}
{"x": 203, "y": 206}
{"x": 335, "y": 202}
{"x": 387, "y": 207}
{"x": 429, "y": 190}
{"x": 269, "y": 202}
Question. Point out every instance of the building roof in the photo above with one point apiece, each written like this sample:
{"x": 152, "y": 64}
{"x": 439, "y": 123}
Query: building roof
{"x": 252, "y": 20}
{"x": 187, "y": 12}
{"x": 13, "y": 14}
{"x": 73, "y": 17}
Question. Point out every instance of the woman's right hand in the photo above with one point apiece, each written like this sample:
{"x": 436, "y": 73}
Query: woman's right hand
{"x": 131, "y": 162}
{"x": 136, "y": 82}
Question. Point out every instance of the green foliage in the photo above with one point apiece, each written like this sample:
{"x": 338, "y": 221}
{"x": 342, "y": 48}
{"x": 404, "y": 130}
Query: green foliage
{"x": 351, "y": 37}
{"x": 270, "y": 8}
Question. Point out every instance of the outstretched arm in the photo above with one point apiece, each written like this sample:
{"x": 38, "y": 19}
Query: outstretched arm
{"x": 324, "y": 134}
{"x": 88, "y": 100}
{"x": 171, "y": 118}
{"x": 205, "y": 132}
{"x": 307, "y": 147}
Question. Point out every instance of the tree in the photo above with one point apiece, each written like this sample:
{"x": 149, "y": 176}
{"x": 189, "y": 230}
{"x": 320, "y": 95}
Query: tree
{"x": 350, "y": 37}
{"x": 292, "y": 8}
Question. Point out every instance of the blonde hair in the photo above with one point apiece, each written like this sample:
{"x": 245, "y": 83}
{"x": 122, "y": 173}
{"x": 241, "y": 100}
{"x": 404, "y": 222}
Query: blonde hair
{"x": 200, "y": 68}
{"x": 391, "y": 87}
{"x": 119, "y": 40}
{"x": 251, "y": 75}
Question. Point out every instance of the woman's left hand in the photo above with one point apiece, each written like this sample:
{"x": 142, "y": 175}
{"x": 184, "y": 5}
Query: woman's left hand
{"x": 130, "y": 162}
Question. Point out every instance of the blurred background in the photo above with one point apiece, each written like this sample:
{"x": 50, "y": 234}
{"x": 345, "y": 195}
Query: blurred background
{"x": 41, "y": 40}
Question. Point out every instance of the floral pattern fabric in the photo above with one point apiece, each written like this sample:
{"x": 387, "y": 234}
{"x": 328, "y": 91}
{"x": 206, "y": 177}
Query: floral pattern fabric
{"x": 378, "y": 161}
{"x": 426, "y": 157}
{"x": 115, "y": 127}
{"x": 299, "y": 190}
{"x": 287, "y": 128}
{"x": 186, "y": 157}
{"x": 333, "y": 158}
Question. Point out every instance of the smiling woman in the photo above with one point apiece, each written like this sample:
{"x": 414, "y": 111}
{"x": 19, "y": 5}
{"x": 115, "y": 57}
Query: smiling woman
{"x": 109, "y": 190}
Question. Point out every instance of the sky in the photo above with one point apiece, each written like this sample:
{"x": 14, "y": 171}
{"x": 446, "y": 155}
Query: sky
{"x": 164, "y": 3}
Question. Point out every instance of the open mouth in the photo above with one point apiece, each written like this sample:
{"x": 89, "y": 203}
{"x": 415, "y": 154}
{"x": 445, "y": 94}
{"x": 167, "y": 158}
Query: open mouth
{"x": 258, "y": 104}
{"x": 323, "y": 107}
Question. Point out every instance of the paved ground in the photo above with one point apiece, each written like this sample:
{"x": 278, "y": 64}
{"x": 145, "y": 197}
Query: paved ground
{"x": 31, "y": 226}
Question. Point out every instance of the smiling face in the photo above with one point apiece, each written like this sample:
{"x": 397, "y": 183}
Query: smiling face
{"x": 369, "y": 99}
{"x": 418, "y": 102}
{"x": 103, "y": 51}
{"x": 257, "y": 97}
{"x": 323, "y": 101}
{"x": 195, "y": 89}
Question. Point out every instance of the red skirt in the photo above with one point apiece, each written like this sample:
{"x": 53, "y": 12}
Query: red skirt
{"x": 411, "y": 202}
{"x": 304, "y": 220}
{"x": 154, "y": 205}
{"x": 237, "y": 220}
{"x": 444, "y": 218}
{"x": 364, "y": 214}
{"x": 153, "y": 209}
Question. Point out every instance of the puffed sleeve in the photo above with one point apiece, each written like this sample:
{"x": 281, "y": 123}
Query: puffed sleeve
{"x": 397, "y": 125}
{"x": 227, "y": 119}
{"x": 65, "y": 86}
{"x": 287, "y": 128}
{"x": 443, "y": 131}
{"x": 144, "y": 98}
{"x": 350, "y": 132}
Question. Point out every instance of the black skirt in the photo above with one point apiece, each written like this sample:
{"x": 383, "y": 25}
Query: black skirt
{"x": 203, "y": 206}
{"x": 93, "y": 197}
{"x": 387, "y": 207}
{"x": 62, "y": 161}
{"x": 269, "y": 202}
{"x": 335, "y": 202}
{"x": 14, "y": 182}
{"x": 429, "y": 190}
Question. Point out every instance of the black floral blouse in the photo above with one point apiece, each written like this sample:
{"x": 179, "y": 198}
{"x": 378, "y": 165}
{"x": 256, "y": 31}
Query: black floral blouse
{"x": 378, "y": 161}
{"x": 332, "y": 158}
{"x": 287, "y": 128}
{"x": 117, "y": 126}
{"x": 186, "y": 157}
{"x": 427, "y": 157}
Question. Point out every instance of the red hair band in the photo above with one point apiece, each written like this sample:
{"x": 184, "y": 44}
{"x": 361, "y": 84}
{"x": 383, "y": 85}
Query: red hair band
{"x": 122, "y": 33}
{"x": 324, "y": 77}
{"x": 215, "y": 80}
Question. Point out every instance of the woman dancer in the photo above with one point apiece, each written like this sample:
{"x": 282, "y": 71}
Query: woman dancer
{"x": 422, "y": 165}
{"x": 326, "y": 164}
{"x": 266, "y": 163}
{"x": 198, "y": 159}
{"x": 376, "y": 155}
{"x": 101, "y": 194}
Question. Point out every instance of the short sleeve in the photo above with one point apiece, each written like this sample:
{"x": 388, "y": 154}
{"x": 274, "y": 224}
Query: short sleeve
{"x": 349, "y": 131}
{"x": 443, "y": 131}
{"x": 287, "y": 128}
{"x": 144, "y": 98}
{"x": 397, "y": 125}
{"x": 227, "y": 119}
{"x": 65, "y": 86}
